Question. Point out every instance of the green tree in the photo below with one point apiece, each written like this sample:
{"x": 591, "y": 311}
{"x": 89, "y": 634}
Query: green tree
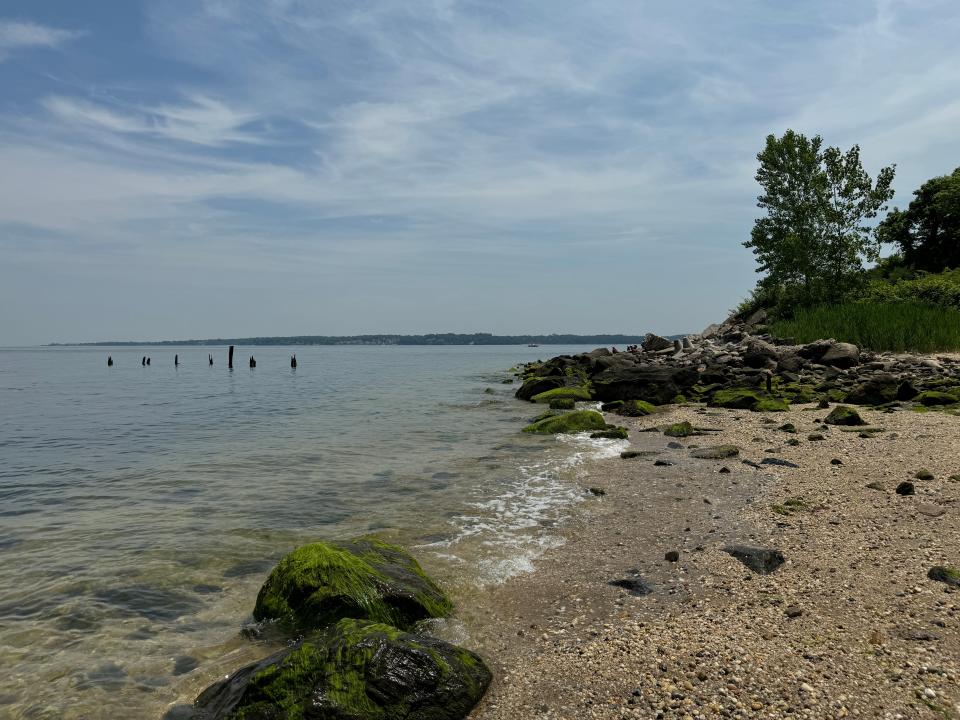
{"x": 928, "y": 231}
{"x": 814, "y": 237}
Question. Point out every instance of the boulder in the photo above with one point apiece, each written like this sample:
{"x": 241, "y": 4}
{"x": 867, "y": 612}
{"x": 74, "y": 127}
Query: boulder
{"x": 843, "y": 415}
{"x": 320, "y": 583}
{"x": 573, "y": 422}
{"x": 878, "y": 390}
{"x": 762, "y": 561}
{"x": 354, "y": 670}
{"x": 841, "y": 355}
{"x": 536, "y": 385}
{"x": 612, "y": 433}
{"x": 747, "y": 399}
{"x": 573, "y": 393}
{"x": 562, "y": 404}
{"x": 653, "y": 343}
{"x": 947, "y": 575}
{"x": 680, "y": 429}
{"x": 758, "y": 353}
{"x": 933, "y": 398}
{"x": 717, "y": 452}
{"x": 656, "y": 384}
{"x": 635, "y": 408}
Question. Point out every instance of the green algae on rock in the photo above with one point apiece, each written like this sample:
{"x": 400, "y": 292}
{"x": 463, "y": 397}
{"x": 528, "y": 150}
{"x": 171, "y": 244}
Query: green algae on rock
{"x": 844, "y": 415}
{"x": 573, "y": 393}
{"x": 747, "y": 399}
{"x": 572, "y": 422}
{"x": 320, "y": 583}
{"x": 948, "y": 575}
{"x": 932, "y": 398}
{"x": 562, "y": 403}
{"x": 611, "y": 433}
{"x": 635, "y": 408}
{"x": 354, "y": 670}
{"x": 680, "y": 429}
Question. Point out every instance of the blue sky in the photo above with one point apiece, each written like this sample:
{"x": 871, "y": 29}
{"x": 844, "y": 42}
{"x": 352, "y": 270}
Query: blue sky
{"x": 203, "y": 168}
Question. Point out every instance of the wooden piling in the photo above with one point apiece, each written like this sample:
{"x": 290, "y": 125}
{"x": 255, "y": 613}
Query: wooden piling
{"x": 109, "y": 360}
{"x": 176, "y": 360}
{"x": 293, "y": 361}
{"x": 230, "y": 358}
{"x": 253, "y": 363}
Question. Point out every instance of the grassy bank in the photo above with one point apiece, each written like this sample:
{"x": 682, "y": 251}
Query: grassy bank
{"x": 878, "y": 326}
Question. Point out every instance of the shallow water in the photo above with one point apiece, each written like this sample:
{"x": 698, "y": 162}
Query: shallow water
{"x": 141, "y": 507}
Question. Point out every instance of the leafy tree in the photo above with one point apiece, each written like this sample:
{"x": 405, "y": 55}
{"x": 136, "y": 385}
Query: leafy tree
{"x": 928, "y": 231}
{"x": 812, "y": 242}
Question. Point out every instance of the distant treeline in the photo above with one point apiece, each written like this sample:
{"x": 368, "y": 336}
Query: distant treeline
{"x": 432, "y": 339}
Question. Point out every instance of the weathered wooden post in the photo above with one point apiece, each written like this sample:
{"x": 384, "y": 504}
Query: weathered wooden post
{"x": 230, "y": 358}
{"x": 143, "y": 361}
{"x": 210, "y": 359}
{"x": 109, "y": 360}
{"x": 293, "y": 361}
{"x": 176, "y": 360}
{"x": 253, "y": 363}
{"x": 148, "y": 361}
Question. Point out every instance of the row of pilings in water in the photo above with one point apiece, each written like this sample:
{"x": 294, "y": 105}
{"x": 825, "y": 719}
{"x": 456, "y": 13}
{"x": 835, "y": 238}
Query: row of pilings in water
{"x": 145, "y": 360}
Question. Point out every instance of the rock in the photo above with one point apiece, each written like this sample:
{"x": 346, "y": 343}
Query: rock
{"x": 875, "y": 485}
{"x": 614, "y": 433}
{"x": 635, "y": 408}
{"x": 630, "y": 454}
{"x": 572, "y": 422}
{"x": 762, "y": 561}
{"x": 611, "y": 406}
{"x": 836, "y": 461}
{"x": 788, "y": 427}
{"x": 905, "y": 488}
{"x": 843, "y": 415}
{"x": 793, "y": 612}
{"x": 841, "y": 355}
{"x": 680, "y": 429}
{"x": 778, "y": 462}
{"x": 934, "y": 398}
{"x": 318, "y": 584}
{"x": 674, "y": 445}
{"x": 923, "y": 475}
{"x": 656, "y": 384}
{"x": 906, "y": 391}
{"x": 747, "y": 399}
{"x": 931, "y": 510}
{"x": 633, "y": 583}
{"x": 652, "y": 343}
{"x": 352, "y": 671}
{"x": 662, "y": 463}
{"x": 562, "y": 404}
{"x": 571, "y": 393}
{"x": 717, "y": 452}
{"x": 823, "y": 404}
{"x": 947, "y": 575}
{"x": 813, "y": 437}
{"x": 758, "y": 354}
{"x": 725, "y": 470}
{"x": 672, "y": 556}
{"x": 599, "y": 492}
{"x": 536, "y": 385}
{"x": 877, "y": 390}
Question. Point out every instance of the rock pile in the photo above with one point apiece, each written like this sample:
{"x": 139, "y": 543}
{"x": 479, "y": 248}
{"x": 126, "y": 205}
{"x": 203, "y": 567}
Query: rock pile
{"x": 738, "y": 364}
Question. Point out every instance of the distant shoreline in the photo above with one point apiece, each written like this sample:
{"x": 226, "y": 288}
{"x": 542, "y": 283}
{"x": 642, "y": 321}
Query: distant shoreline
{"x": 431, "y": 339}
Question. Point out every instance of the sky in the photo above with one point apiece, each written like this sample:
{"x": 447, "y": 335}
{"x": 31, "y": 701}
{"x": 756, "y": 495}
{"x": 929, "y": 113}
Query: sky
{"x": 174, "y": 169}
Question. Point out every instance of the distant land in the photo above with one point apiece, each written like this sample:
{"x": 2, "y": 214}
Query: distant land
{"x": 432, "y": 339}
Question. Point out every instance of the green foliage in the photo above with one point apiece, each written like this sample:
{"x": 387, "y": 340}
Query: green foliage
{"x": 812, "y": 241}
{"x": 573, "y": 422}
{"x": 574, "y": 393}
{"x": 878, "y": 326}
{"x": 942, "y": 289}
{"x": 928, "y": 231}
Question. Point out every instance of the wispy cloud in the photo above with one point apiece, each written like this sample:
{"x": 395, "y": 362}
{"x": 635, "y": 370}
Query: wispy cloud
{"x": 20, "y": 35}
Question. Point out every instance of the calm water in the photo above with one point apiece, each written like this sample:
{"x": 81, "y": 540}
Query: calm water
{"x": 141, "y": 508}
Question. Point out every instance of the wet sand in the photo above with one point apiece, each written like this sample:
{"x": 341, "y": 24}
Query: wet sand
{"x": 849, "y": 626}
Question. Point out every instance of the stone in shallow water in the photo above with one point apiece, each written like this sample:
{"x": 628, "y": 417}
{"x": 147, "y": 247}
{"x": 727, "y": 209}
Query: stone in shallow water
{"x": 761, "y": 560}
{"x": 158, "y": 604}
{"x": 352, "y": 671}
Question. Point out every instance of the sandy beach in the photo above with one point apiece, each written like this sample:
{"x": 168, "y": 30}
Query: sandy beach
{"x": 849, "y": 626}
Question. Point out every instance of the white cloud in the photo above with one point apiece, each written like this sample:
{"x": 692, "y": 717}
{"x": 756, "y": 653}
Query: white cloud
{"x": 20, "y": 35}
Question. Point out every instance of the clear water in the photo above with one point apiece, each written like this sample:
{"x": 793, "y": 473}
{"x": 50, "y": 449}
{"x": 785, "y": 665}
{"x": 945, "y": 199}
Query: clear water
{"x": 141, "y": 507}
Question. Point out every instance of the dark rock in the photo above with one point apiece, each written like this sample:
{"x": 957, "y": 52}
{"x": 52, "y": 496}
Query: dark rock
{"x": 876, "y": 486}
{"x": 657, "y": 384}
{"x": 947, "y": 575}
{"x": 536, "y": 385}
{"x": 635, "y": 408}
{"x": 613, "y": 433}
{"x": 631, "y": 454}
{"x": 634, "y": 584}
{"x": 836, "y": 461}
{"x": 793, "y": 612}
{"x": 717, "y": 452}
{"x": 672, "y": 556}
{"x": 788, "y": 427}
{"x": 725, "y": 470}
{"x": 906, "y": 391}
{"x": 662, "y": 463}
{"x": 758, "y": 354}
{"x": 813, "y": 437}
{"x": 762, "y": 561}
{"x": 924, "y": 475}
{"x": 351, "y": 671}
{"x": 321, "y": 583}
{"x": 877, "y": 390}
{"x": 823, "y": 404}
{"x": 674, "y": 445}
{"x": 843, "y": 415}
{"x": 778, "y": 462}
{"x": 599, "y": 492}
{"x": 653, "y": 343}
{"x": 935, "y": 398}
{"x": 905, "y": 488}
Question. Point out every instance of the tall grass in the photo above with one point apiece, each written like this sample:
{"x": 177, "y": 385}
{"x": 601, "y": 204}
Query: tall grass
{"x": 877, "y": 326}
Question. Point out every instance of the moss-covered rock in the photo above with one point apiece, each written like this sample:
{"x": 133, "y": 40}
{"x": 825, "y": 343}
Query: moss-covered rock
{"x": 355, "y": 670}
{"x": 612, "y": 406}
{"x": 950, "y": 576}
{"x": 613, "y": 433}
{"x": 534, "y": 385}
{"x": 844, "y": 415}
{"x": 933, "y": 398}
{"x": 366, "y": 578}
{"x": 562, "y": 403}
{"x": 572, "y": 393}
{"x": 680, "y": 429}
{"x": 747, "y": 399}
{"x": 636, "y": 408}
{"x": 573, "y": 422}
